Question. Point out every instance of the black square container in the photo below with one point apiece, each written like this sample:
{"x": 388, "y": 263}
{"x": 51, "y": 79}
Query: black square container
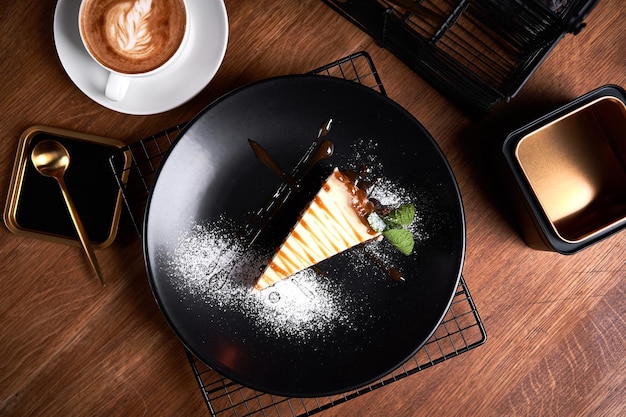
{"x": 568, "y": 172}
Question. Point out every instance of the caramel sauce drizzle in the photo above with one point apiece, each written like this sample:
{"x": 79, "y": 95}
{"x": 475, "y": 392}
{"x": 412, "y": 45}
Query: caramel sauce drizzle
{"x": 320, "y": 149}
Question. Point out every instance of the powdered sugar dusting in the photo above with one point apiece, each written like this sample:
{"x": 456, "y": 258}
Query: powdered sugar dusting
{"x": 212, "y": 266}
{"x": 365, "y": 152}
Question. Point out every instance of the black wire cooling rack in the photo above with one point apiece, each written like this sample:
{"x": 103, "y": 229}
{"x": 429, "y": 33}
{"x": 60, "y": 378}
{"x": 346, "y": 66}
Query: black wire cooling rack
{"x": 475, "y": 52}
{"x": 460, "y": 331}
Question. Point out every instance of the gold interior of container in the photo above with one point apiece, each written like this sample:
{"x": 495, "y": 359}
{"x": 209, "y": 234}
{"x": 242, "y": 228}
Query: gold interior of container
{"x": 576, "y": 166}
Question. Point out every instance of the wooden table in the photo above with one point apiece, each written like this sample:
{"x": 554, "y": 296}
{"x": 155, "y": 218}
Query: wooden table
{"x": 556, "y": 324}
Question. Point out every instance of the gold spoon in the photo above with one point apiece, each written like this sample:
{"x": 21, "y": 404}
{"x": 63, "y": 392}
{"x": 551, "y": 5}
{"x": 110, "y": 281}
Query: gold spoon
{"x": 51, "y": 159}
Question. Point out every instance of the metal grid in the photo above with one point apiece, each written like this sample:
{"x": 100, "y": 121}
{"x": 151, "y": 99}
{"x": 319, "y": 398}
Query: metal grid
{"x": 475, "y": 52}
{"x": 460, "y": 331}
{"x": 136, "y": 178}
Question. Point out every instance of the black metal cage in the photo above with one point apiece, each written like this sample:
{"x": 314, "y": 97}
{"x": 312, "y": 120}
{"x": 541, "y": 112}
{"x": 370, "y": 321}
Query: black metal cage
{"x": 477, "y": 53}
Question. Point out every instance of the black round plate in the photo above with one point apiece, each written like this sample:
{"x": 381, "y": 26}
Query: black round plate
{"x": 342, "y": 324}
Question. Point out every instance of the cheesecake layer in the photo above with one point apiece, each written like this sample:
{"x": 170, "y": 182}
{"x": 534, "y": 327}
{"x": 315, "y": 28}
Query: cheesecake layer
{"x": 335, "y": 220}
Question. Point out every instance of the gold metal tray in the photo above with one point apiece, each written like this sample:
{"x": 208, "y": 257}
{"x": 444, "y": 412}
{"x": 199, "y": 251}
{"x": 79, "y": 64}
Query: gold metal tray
{"x": 35, "y": 207}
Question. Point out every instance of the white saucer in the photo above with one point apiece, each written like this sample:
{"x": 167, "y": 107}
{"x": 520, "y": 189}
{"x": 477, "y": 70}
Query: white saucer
{"x": 170, "y": 88}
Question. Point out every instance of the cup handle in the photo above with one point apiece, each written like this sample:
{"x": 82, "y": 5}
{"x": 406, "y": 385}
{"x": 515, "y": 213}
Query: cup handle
{"x": 116, "y": 87}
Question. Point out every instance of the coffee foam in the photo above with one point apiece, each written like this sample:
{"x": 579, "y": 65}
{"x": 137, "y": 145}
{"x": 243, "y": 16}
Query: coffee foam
{"x": 129, "y": 29}
{"x": 133, "y": 36}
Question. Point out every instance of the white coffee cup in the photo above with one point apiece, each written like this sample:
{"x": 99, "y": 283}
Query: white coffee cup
{"x": 129, "y": 38}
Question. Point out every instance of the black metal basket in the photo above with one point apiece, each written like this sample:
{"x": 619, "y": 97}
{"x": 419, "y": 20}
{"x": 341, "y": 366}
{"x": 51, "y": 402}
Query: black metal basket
{"x": 460, "y": 331}
{"x": 477, "y": 53}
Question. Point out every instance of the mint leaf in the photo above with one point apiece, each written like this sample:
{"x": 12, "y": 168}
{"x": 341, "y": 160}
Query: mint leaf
{"x": 402, "y": 216}
{"x": 402, "y": 239}
{"x": 394, "y": 227}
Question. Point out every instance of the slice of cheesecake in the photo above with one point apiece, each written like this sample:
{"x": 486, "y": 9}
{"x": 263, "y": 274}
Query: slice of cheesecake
{"x": 335, "y": 220}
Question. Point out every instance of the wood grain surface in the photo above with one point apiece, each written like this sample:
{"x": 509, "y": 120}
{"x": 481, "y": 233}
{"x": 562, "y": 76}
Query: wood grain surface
{"x": 556, "y": 324}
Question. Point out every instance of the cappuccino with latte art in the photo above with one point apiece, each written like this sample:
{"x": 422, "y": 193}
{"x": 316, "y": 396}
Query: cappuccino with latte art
{"x": 133, "y": 36}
